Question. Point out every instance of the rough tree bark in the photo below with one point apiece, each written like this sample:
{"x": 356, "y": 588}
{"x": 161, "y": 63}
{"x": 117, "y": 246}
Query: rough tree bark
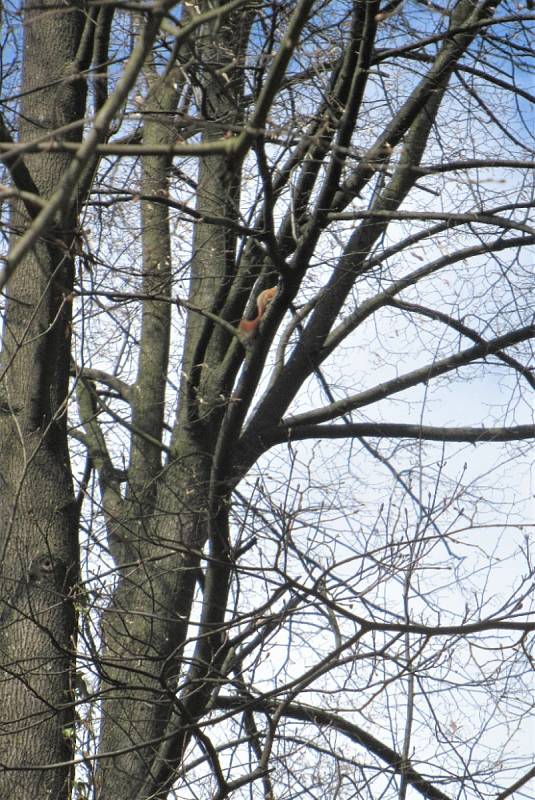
{"x": 38, "y": 511}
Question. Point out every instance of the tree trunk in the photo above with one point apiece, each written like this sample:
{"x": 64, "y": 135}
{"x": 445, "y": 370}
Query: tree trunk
{"x": 38, "y": 514}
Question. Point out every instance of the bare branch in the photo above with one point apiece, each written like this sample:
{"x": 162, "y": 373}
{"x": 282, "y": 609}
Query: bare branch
{"x": 381, "y": 430}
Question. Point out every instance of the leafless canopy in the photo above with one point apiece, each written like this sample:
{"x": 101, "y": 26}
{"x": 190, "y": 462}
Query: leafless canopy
{"x": 268, "y": 544}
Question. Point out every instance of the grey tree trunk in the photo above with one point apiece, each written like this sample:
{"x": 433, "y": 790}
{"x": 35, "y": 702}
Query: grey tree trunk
{"x": 38, "y": 513}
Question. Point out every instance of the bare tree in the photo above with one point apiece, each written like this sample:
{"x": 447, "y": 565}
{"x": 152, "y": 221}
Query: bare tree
{"x": 235, "y": 231}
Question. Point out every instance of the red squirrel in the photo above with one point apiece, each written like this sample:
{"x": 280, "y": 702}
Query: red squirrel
{"x": 249, "y": 326}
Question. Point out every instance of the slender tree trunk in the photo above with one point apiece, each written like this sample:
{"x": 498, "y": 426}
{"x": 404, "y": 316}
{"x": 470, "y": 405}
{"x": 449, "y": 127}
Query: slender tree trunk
{"x": 154, "y": 694}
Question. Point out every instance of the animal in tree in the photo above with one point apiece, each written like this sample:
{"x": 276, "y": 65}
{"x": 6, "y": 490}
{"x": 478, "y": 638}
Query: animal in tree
{"x": 249, "y": 327}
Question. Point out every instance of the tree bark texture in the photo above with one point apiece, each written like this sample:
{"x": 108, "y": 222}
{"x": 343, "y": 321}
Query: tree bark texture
{"x": 38, "y": 514}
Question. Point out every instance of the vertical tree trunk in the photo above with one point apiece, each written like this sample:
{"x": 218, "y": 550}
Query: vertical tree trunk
{"x": 37, "y": 509}
{"x": 146, "y": 625}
